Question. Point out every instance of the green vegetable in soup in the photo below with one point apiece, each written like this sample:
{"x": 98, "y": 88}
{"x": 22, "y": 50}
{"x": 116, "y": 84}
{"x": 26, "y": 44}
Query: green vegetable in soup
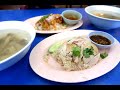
{"x": 11, "y": 43}
{"x": 103, "y": 55}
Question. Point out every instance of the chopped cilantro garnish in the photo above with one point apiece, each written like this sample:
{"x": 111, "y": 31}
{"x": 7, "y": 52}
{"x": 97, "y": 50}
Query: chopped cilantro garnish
{"x": 103, "y": 55}
{"x": 76, "y": 51}
{"x": 87, "y": 52}
{"x": 64, "y": 24}
{"x": 44, "y": 17}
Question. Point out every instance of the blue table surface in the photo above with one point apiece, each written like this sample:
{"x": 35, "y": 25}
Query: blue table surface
{"x": 21, "y": 72}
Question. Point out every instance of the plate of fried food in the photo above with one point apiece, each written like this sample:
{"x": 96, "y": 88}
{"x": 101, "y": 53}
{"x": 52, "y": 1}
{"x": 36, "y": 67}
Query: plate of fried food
{"x": 51, "y": 23}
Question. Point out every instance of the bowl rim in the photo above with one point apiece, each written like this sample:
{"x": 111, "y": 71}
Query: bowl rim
{"x": 62, "y": 14}
{"x": 86, "y": 10}
{"x": 26, "y": 46}
{"x": 104, "y": 36}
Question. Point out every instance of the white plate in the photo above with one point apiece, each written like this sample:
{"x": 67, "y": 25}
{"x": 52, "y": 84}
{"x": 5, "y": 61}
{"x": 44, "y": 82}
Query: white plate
{"x": 33, "y": 20}
{"x": 53, "y": 72}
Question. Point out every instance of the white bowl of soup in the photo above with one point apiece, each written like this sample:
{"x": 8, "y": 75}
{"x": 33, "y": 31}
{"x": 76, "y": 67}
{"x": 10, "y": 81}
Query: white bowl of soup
{"x": 16, "y": 38}
{"x": 104, "y": 16}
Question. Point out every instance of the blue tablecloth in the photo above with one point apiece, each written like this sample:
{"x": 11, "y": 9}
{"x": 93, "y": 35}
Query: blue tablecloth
{"x": 21, "y": 72}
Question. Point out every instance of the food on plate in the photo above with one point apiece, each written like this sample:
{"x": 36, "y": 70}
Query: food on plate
{"x": 100, "y": 39}
{"x": 12, "y": 42}
{"x": 106, "y": 14}
{"x": 50, "y": 22}
{"x": 76, "y": 53}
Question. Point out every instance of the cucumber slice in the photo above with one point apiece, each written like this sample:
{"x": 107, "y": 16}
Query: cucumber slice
{"x": 53, "y": 48}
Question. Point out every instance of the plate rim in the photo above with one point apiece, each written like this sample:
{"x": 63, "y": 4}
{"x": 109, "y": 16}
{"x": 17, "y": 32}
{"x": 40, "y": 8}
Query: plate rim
{"x": 76, "y": 26}
{"x": 63, "y": 71}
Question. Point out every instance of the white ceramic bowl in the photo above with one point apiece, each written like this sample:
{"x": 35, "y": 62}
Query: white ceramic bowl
{"x": 100, "y": 22}
{"x": 73, "y": 13}
{"x": 19, "y": 25}
{"x": 105, "y": 34}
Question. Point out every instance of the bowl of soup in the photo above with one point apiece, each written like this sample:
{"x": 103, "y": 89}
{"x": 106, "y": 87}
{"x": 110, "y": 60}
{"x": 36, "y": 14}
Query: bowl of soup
{"x": 16, "y": 38}
{"x": 71, "y": 17}
{"x": 104, "y": 16}
{"x": 101, "y": 39}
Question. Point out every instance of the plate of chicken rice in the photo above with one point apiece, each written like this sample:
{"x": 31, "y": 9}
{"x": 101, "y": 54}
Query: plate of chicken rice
{"x": 51, "y": 23}
{"x": 70, "y": 57}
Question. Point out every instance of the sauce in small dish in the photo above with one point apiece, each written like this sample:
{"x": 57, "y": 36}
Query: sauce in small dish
{"x": 100, "y": 39}
{"x": 71, "y": 17}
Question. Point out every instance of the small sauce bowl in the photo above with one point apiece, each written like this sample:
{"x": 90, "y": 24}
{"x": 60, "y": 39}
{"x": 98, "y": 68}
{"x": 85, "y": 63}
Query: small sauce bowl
{"x": 71, "y": 17}
{"x": 99, "y": 37}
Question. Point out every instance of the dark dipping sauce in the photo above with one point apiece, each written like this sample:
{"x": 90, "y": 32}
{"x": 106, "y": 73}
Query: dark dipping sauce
{"x": 100, "y": 39}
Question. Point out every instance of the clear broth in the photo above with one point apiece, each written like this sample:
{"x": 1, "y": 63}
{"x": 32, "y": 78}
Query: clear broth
{"x": 106, "y": 14}
{"x": 12, "y": 41}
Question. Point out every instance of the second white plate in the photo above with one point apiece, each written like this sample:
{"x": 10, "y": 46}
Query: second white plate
{"x": 33, "y": 20}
